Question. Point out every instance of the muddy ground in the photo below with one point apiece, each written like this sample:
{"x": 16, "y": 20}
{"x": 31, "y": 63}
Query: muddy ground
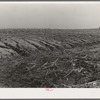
{"x": 50, "y": 58}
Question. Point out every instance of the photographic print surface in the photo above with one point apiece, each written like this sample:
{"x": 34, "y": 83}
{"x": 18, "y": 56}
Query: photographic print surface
{"x": 49, "y": 45}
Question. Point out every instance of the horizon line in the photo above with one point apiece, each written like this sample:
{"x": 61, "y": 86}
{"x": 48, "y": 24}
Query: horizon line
{"x": 52, "y": 28}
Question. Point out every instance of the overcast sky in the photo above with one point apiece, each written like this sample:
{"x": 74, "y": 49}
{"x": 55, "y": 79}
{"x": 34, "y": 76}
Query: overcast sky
{"x": 49, "y": 15}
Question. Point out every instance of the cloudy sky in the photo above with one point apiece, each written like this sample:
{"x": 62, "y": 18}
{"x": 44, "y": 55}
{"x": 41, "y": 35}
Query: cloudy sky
{"x": 50, "y": 15}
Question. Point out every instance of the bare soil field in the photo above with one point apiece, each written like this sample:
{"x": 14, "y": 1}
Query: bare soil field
{"x": 53, "y": 58}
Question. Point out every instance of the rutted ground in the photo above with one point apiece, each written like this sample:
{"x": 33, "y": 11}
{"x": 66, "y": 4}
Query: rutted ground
{"x": 49, "y": 58}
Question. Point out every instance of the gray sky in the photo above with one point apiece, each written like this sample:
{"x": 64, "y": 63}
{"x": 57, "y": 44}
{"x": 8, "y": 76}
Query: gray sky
{"x": 49, "y": 15}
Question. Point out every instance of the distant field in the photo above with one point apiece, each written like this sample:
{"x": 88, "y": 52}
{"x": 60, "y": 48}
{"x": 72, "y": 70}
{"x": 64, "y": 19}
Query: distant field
{"x": 50, "y": 58}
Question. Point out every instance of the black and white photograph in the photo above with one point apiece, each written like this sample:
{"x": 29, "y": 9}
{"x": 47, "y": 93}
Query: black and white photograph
{"x": 50, "y": 45}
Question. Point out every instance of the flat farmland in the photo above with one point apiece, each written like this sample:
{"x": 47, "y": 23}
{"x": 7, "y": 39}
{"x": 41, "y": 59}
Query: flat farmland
{"x": 53, "y": 58}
